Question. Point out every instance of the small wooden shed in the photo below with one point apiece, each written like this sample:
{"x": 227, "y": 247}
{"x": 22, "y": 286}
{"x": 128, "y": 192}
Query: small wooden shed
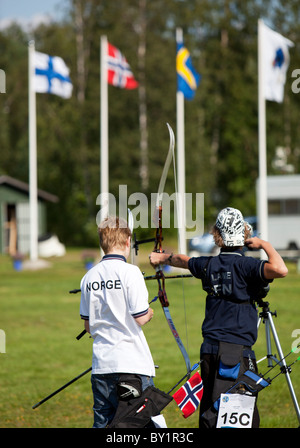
{"x": 15, "y": 217}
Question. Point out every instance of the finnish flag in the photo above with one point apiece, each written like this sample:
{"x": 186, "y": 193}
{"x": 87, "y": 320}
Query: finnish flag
{"x": 51, "y": 75}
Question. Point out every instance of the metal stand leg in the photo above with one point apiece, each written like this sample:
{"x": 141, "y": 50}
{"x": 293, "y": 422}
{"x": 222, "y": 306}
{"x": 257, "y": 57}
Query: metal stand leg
{"x": 266, "y": 315}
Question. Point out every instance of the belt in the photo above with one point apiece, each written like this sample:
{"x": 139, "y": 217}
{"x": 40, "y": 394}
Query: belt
{"x": 215, "y": 342}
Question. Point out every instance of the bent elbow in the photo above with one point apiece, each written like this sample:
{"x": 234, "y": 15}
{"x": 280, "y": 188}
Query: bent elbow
{"x": 282, "y": 272}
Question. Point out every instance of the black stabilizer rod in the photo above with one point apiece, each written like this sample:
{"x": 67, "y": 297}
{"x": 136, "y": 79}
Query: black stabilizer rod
{"x": 61, "y": 388}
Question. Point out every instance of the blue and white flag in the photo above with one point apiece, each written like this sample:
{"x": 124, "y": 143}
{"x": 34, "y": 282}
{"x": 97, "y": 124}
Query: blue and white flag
{"x": 51, "y": 75}
{"x": 275, "y": 62}
{"x": 187, "y": 77}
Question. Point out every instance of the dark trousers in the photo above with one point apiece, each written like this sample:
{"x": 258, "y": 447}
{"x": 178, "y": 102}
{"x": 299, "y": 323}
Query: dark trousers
{"x": 209, "y": 367}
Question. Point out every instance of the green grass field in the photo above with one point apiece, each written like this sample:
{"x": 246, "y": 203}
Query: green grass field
{"x": 41, "y": 321}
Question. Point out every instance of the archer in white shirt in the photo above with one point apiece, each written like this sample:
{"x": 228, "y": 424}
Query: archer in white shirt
{"x": 114, "y": 306}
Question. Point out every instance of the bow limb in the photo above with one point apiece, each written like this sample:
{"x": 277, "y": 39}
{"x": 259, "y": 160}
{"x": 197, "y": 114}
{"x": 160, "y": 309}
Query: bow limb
{"x": 162, "y": 295}
{"x": 168, "y": 161}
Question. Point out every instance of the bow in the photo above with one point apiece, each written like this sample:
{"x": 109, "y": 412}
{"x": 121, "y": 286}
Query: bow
{"x": 159, "y": 275}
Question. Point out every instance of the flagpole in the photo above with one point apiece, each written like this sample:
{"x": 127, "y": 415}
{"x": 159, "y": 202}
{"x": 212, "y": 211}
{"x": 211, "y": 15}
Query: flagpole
{"x": 262, "y": 145}
{"x": 180, "y": 162}
{"x": 104, "y": 164}
{"x": 33, "y": 198}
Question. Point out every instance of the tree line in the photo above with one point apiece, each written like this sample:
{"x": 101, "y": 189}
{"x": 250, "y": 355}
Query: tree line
{"x": 221, "y": 122}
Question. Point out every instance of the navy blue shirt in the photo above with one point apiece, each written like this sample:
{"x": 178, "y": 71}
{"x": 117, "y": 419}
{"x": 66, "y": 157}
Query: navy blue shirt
{"x": 231, "y": 281}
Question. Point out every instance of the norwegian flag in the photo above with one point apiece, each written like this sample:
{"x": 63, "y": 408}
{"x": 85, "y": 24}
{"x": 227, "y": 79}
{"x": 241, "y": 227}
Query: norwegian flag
{"x": 119, "y": 73}
{"x": 188, "y": 397}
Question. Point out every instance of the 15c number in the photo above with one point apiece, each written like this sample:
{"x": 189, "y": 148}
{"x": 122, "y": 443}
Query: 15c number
{"x": 235, "y": 418}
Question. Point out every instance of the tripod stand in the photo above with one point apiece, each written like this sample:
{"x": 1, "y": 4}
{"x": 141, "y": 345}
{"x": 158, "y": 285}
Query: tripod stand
{"x": 265, "y": 316}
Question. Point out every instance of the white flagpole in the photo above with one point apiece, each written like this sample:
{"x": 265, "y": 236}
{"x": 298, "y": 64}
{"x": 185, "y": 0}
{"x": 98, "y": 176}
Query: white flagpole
{"x": 104, "y": 163}
{"x": 262, "y": 146}
{"x": 33, "y": 198}
{"x": 181, "y": 162}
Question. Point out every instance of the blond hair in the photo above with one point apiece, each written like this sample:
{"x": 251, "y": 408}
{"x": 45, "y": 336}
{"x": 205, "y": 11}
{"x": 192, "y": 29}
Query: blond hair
{"x": 218, "y": 239}
{"x": 113, "y": 233}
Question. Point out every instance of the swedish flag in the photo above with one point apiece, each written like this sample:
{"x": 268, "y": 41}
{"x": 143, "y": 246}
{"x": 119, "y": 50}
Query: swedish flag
{"x": 187, "y": 77}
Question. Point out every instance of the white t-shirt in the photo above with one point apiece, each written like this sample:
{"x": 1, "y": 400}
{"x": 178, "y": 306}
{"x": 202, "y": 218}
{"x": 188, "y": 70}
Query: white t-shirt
{"x": 113, "y": 293}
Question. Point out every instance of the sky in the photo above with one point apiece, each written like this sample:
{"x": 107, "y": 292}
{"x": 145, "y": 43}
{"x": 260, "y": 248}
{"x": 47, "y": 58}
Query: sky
{"x": 29, "y": 13}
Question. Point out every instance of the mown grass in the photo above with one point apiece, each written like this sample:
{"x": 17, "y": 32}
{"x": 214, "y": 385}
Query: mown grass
{"x": 41, "y": 321}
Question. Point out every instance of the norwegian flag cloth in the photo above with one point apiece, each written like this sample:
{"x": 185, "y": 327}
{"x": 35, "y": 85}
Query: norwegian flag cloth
{"x": 119, "y": 73}
{"x": 188, "y": 397}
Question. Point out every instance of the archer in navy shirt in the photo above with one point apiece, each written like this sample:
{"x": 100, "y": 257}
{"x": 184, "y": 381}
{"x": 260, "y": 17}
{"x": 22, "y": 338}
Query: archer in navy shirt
{"x": 232, "y": 282}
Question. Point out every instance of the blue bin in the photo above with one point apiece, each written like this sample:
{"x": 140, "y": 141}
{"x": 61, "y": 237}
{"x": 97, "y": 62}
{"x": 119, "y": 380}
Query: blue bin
{"x": 18, "y": 265}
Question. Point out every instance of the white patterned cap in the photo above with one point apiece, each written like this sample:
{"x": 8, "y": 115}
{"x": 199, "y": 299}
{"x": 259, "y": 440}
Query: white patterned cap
{"x": 231, "y": 225}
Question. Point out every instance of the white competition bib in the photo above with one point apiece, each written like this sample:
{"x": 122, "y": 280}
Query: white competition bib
{"x": 235, "y": 411}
